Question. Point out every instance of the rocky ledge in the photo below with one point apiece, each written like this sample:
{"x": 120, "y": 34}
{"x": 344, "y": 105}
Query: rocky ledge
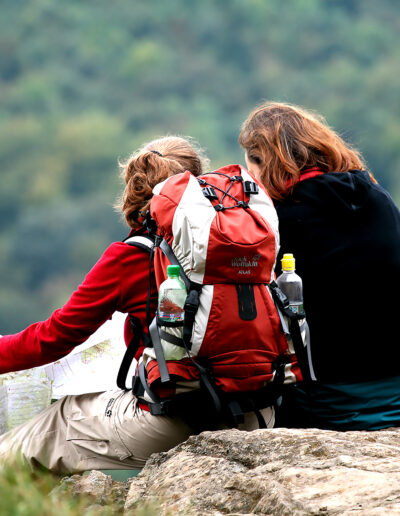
{"x": 273, "y": 472}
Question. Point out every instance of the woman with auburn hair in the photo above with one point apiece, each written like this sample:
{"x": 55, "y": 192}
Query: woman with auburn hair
{"x": 344, "y": 231}
{"x": 109, "y": 430}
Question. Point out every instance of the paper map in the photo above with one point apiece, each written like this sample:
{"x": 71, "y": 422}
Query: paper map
{"x": 91, "y": 367}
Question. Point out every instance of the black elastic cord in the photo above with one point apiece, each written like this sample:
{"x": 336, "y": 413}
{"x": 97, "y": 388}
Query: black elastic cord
{"x": 239, "y": 204}
{"x": 223, "y": 191}
{"x": 227, "y": 193}
{"x": 216, "y": 174}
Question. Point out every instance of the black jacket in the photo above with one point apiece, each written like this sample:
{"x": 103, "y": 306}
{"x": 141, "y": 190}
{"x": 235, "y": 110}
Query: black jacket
{"x": 344, "y": 232}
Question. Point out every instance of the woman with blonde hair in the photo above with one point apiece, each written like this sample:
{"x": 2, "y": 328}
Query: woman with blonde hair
{"x": 344, "y": 231}
{"x": 109, "y": 430}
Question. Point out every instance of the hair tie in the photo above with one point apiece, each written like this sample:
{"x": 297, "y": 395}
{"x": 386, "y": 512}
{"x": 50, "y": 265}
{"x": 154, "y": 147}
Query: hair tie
{"x": 156, "y": 152}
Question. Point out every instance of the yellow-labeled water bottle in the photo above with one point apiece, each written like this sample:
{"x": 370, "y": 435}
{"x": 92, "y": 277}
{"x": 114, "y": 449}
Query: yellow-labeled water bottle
{"x": 291, "y": 284}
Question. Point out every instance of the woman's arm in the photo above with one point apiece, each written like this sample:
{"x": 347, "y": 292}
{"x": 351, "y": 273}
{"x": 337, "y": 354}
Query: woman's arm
{"x": 95, "y": 300}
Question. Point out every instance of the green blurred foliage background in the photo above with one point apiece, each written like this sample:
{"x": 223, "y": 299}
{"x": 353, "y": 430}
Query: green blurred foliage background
{"x": 82, "y": 84}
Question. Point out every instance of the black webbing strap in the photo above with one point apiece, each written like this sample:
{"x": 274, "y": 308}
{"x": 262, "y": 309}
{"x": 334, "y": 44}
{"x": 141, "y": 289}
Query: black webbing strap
{"x": 193, "y": 298}
{"x": 301, "y": 351}
{"x": 257, "y": 412}
{"x": 278, "y": 366}
{"x": 236, "y": 412}
{"x": 173, "y": 339}
{"x": 203, "y": 403}
{"x": 202, "y": 407}
{"x": 260, "y": 419}
{"x": 207, "y": 383}
{"x": 148, "y": 301}
{"x": 299, "y": 348}
{"x": 169, "y": 253}
{"x": 162, "y": 364}
{"x": 191, "y": 306}
{"x": 147, "y": 243}
{"x": 138, "y": 335}
{"x": 143, "y": 380}
{"x": 309, "y": 357}
{"x": 246, "y": 301}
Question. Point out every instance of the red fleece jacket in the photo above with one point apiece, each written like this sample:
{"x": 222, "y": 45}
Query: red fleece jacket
{"x": 119, "y": 281}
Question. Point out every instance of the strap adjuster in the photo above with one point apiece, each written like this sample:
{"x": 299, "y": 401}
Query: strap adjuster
{"x": 250, "y": 187}
{"x": 192, "y": 302}
{"x": 160, "y": 408}
{"x": 281, "y": 299}
{"x": 210, "y": 193}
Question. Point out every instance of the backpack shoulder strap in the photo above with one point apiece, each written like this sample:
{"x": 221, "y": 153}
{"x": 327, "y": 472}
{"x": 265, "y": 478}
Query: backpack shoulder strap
{"x": 144, "y": 242}
{"x": 138, "y": 336}
{"x": 148, "y": 244}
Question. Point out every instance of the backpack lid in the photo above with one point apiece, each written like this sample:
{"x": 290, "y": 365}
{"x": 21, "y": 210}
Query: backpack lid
{"x": 232, "y": 244}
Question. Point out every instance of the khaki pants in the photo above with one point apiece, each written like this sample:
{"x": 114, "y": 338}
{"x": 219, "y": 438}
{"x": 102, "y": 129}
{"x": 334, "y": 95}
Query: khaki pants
{"x": 99, "y": 431}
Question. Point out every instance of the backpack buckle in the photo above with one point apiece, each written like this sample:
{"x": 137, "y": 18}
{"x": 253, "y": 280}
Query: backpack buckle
{"x": 209, "y": 192}
{"x": 280, "y": 297}
{"x": 192, "y": 302}
{"x": 160, "y": 408}
{"x": 150, "y": 224}
{"x": 219, "y": 207}
{"x": 250, "y": 187}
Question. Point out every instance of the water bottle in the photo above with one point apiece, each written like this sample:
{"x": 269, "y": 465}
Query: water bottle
{"x": 291, "y": 284}
{"x": 171, "y": 297}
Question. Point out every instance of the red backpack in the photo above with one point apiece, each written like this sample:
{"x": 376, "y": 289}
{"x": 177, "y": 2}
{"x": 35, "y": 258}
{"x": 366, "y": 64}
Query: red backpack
{"x": 231, "y": 354}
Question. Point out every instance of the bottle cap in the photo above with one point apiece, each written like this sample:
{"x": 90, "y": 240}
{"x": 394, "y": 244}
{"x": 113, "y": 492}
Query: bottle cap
{"x": 173, "y": 270}
{"x": 288, "y": 262}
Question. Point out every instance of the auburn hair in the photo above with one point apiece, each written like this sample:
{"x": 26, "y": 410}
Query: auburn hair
{"x": 283, "y": 139}
{"x": 151, "y": 164}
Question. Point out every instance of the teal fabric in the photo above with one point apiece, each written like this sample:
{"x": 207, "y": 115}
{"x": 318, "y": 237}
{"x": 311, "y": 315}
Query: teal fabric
{"x": 120, "y": 475}
{"x": 346, "y": 406}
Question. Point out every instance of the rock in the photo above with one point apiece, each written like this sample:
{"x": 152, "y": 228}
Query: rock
{"x": 275, "y": 472}
{"x": 96, "y": 486}
{"x": 272, "y": 472}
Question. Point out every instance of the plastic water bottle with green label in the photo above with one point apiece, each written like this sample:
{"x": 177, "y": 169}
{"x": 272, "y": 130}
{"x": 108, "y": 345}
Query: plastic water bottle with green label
{"x": 171, "y": 297}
